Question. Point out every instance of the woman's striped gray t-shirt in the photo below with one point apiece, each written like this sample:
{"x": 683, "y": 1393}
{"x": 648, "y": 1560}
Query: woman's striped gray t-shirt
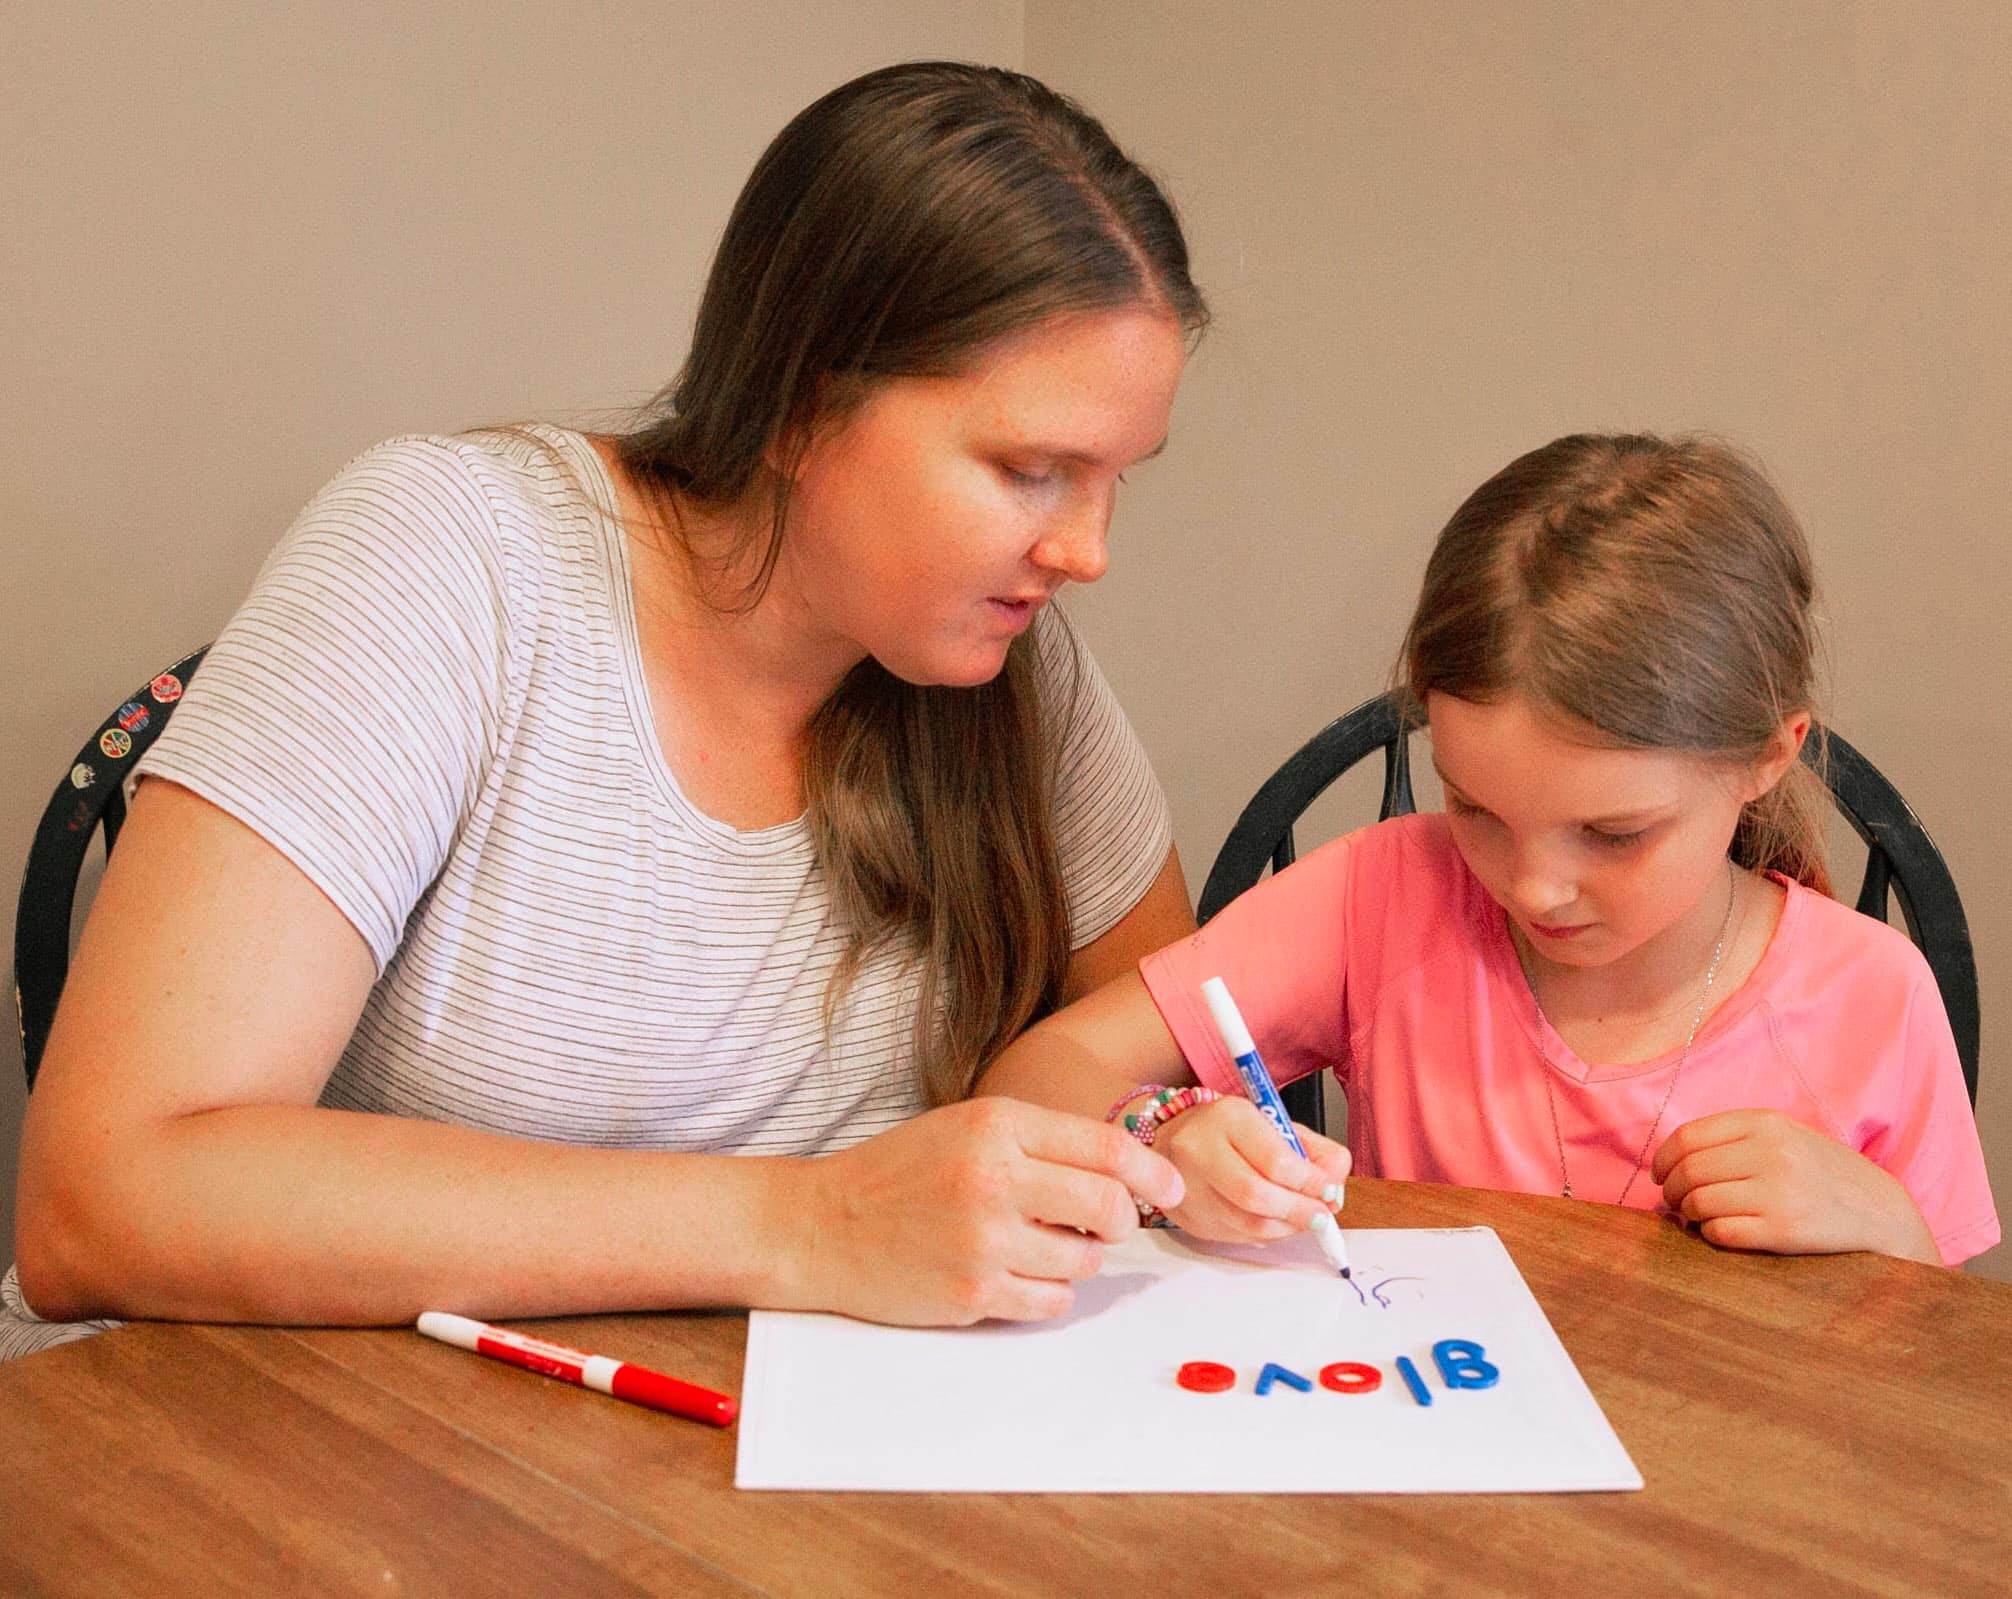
{"x": 433, "y": 702}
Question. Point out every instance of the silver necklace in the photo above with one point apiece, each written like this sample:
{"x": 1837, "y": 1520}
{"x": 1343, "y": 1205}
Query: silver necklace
{"x": 1697, "y": 1021}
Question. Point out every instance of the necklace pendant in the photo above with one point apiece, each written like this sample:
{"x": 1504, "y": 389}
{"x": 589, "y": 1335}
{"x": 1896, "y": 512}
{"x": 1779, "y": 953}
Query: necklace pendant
{"x": 1566, "y": 1192}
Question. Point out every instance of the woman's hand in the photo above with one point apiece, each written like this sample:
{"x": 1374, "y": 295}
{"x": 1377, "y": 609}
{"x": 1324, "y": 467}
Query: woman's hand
{"x": 1244, "y": 1183}
{"x": 1759, "y": 1179}
{"x": 989, "y": 1208}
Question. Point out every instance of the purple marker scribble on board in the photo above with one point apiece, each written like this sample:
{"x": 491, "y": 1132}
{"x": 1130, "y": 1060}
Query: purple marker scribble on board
{"x": 1375, "y": 1290}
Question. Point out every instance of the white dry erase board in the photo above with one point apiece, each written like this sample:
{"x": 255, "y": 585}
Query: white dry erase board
{"x": 1091, "y": 1403}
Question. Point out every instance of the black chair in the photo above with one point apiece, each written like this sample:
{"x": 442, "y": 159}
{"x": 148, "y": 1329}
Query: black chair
{"x": 1900, "y": 856}
{"x": 90, "y": 796}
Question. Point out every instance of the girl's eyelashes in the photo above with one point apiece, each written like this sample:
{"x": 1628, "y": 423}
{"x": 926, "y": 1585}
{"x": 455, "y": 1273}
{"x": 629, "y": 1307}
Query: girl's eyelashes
{"x": 1456, "y": 806}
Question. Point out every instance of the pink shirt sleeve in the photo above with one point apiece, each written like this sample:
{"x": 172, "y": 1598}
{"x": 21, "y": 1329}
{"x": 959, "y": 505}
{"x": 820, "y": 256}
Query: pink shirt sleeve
{"x": 1281, "y": 951}
{"x": 1856, "y": 1021}
{"x": 1929, "y": 1139}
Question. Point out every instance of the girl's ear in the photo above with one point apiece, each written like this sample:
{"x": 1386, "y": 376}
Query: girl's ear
{"x": 1782, "y": 752}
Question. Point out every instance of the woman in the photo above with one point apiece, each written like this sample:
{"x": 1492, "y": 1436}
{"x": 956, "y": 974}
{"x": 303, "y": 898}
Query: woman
{"x": 562, "y": 818}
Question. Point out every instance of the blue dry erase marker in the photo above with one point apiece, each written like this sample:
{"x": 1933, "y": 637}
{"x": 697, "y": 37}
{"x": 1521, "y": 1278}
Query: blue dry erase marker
{"x": 1258, "y": 1084}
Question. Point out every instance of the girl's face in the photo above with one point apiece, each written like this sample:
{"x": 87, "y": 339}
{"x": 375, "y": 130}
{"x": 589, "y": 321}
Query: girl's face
{"x": 930, "y": 527}
{"x": 1598, "y": 855}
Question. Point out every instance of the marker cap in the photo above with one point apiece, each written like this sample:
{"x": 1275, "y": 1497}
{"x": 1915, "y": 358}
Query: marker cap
{"x": 642, "y": 1386}
{"x": 1228, "y": 1019}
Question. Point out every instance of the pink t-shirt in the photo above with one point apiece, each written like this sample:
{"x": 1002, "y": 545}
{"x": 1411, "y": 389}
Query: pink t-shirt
{"x": 1381, "y": 956}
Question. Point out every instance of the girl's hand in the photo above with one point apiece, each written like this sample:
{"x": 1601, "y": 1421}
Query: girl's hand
{"x": 1244, "y": 1183}
{"x": 1759, "y": 1179}
{"x": 989, "y": 1208}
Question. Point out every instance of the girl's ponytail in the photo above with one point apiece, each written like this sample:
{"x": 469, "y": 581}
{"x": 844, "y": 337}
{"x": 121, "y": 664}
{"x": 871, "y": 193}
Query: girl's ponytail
{"x": 1783, "y": 830}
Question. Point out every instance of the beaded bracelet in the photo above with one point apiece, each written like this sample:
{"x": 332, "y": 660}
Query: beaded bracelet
{"x": 1165, "y": 1105}
{"x": 1129, "y": 1095}
{"x": 1145, "y": 1125}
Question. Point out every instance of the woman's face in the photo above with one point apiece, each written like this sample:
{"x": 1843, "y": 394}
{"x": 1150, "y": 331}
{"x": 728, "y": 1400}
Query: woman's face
{"x": 929, "y": 528}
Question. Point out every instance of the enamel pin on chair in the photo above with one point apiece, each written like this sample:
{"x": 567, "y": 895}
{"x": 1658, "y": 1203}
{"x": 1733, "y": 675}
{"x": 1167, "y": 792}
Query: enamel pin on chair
{"x": 89, "y": 799}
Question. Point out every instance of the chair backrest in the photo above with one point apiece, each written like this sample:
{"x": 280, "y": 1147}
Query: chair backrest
{"x": 1901, "y": 859}
{"x": 91, "y": 795}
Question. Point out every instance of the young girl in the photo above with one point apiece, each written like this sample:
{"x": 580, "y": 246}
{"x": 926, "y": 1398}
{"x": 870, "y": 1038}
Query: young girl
{"x": 1611, "y": 970}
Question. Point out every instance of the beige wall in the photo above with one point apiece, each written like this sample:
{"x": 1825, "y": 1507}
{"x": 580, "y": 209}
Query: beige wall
{"x": 1439, "y": 233}
{"x": 1435, "y": 234}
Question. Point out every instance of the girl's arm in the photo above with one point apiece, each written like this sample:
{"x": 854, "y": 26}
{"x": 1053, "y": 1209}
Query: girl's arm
{"x": 1160, "y": 918}
{"x": 1243, "y": 1182}
{"x": 1108, "y": 1035}
{"x": 1759, "y": 1179}
{"x": 1087, "y": 1054}
{"x": 175, "y": 1164}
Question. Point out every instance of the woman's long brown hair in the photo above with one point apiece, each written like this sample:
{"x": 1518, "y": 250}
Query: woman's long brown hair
{"x": 896, "y": 228}
{"x": 1659, "y": 591}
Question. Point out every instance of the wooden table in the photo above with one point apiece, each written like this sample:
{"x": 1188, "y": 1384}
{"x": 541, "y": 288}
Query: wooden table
{"x": 1829, "y": 1426}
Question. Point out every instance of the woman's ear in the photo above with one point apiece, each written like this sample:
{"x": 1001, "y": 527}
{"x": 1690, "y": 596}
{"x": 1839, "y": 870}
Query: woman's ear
{"x": 782, "y": 457}
{"x": 1783, "y": 749}
{"x": 832, "y": 408}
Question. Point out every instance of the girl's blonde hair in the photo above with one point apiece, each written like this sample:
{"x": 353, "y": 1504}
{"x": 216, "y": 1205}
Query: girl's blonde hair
{"x": 1659, "y": 591}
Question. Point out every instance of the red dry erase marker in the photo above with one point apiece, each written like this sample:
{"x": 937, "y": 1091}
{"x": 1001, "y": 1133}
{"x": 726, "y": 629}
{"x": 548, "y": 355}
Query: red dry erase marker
{"x": 637, "y": 1384}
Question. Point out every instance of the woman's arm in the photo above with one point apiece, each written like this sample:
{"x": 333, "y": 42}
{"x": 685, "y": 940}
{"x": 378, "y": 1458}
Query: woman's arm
{"x": 175, "y": 1164}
